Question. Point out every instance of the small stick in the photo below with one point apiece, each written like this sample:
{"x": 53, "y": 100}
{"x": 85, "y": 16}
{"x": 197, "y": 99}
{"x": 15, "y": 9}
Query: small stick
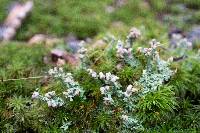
{"x": 37, "y": 77}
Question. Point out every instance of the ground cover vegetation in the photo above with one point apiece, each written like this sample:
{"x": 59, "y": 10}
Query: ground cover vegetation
{"x": 130, "y": 83}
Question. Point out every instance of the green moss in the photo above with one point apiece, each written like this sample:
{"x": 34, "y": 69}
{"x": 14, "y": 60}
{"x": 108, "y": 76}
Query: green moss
{"x": 158, "y": 5}
{"x": 129, "y": 75}
{"x": 194, "y": 4}
{"x": 81, "y": 18}
{"x": 19, "y": 61}
{"x": 154, "y": 107}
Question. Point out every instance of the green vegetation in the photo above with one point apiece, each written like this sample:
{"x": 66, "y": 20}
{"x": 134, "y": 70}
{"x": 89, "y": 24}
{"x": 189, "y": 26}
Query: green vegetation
{"x": 167, "y": 93}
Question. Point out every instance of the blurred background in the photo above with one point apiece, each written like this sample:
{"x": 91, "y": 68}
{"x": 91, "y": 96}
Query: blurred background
{"x": 92, "y": 18}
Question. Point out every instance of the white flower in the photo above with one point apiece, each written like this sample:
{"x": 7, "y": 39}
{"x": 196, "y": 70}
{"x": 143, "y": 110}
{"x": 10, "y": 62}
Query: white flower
{"x": 101, "y": 75}
{"x": 134, "y": 89}
{"x": 134, "y": 33}
{"x": 49, "y": 103}
{"x": 107, "y": 87}
{"x": 82, "y": 50}
{"x": 129, "y": 90}
{"x": 69, "y": 74}
{"x": 77, "y": 92}
{"x": 53, "y": 104}
{"x": 50, "y": 94}
{"x": 124, "y": 117}
{"x": 35, "y": 95}
{"x": 108, "y": 76}
{"x": 170, "y": 59}
{"x": 119, "y": 44}
{"x": 90, "y": 71}
{"x": 176, "y": 36}
{"x": 70, "y": 99}
{"x": 81, "y": 56}
{"x": 154, "y": 44}
{"x": 94, "y": 74}
{"x": 67, "y": 80}
{"x": 114, "y": 78}
{"x": 51, "y": 71}
{"x": 108, "y": 100}
{"x": 102, "y": 89}
{"x": 60, "y": 69}
{"x": 65, "y": 93}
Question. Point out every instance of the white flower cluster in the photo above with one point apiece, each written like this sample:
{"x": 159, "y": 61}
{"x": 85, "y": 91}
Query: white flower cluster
{"x": 82, "y": 51}
{"x": 134, "y": 33}
{"x": 50, "y": 97}
{"x": 107, "y": 95}
{"x": 129, "y": 90}
{"x": 108, "y": 99}
{"x": 107, "y": 77}
{"x": 151, "y": 79}
{"x": 154, "y": 44}
{"x": 122, "y": 51}
{"x": 72, "y": 92}
{"x": 150, "y": 51}
{"x": 56, "y": 72}
{"x": 124, "y": 117}
{"x": 104, "y": 89}
{"x": 73, "y": 89}
{"x": 131, "y": 123}
{"x": 52, "y": 100}
{"x": 35, "y": 95}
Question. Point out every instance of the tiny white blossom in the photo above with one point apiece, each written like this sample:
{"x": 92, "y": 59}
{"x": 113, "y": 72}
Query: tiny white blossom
{"x": 108, "y": 76}
{"x": 94, "y": 74}
{"x": 50, "y": 94}
{"x": 67, "y": 80}
{"x": 90, "y": 71}
{"x": 101, "y": 75}
{"x": 114, "y": 78}
{"x": 108, "y": 100}
{"x": 81, "y": 56}
{"x": 134, "y": 33}
{"x": 53, "y": 104}
{"x": 129, "y": 90}
{"x": 102, "y": 89}
{"x": 124, "y": 117}
{"x": 77, "y": 92}
{"x": 35, "y": 95}
{"x": 154, "y": 44}
{"x": 170, "y": 59}
{"x": 49, "y": 103}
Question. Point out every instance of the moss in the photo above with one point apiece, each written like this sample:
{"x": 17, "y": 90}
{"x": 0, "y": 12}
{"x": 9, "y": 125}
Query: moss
{"x": 154, "y": 107}
{"x": 130, "y": 11}
{"x": 81, "y": 18}
{"x": 128, "y": 75}
{"x": 158, "y": 5}
{"x": 100, "y": 60}
{"x": 19, "y": 61}
{"x": 194, "y": 4}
